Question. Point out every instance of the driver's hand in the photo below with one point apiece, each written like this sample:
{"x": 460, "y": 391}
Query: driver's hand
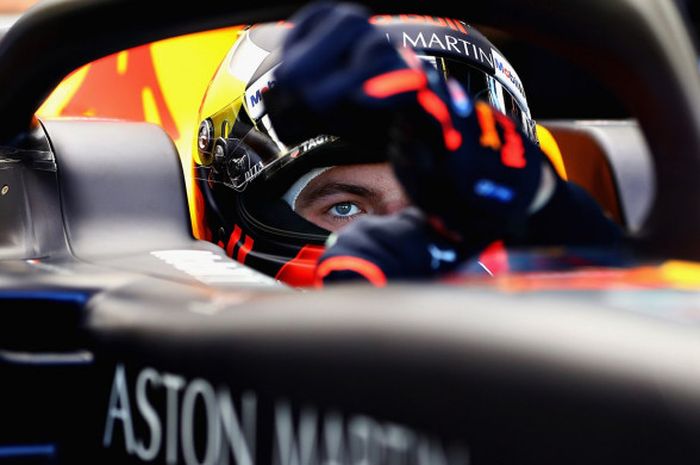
{"x": 327, "y": 59}
{"x": 468, "y": 167}
{"x": 471, "y": 171}
{"x": 378, "y": 249}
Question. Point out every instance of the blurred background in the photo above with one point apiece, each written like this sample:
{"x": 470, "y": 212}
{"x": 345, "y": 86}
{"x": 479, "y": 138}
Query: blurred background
{"x": 11, "y": 9}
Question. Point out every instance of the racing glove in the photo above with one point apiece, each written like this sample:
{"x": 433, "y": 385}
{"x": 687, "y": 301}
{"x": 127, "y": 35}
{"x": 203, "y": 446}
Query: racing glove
{"x": 378, "y": 249}
{"x": 466, "y": 165}
{"x": 327, "y": 57}
{"x": 469, "y": 168}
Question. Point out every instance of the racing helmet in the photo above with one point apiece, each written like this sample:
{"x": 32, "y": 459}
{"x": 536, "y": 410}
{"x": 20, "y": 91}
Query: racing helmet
{"x": 242, "y": 170}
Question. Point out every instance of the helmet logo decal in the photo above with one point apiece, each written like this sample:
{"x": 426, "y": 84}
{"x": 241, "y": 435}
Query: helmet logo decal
{"x": 253, "y": 95}
{"x": 446, "y": 43}
{"x": 315, "y": 142}
{"x": 311, "y": 144}
{"x": 453, "y": 24}
{"x": 504, "y": 72}
{"x": 241, "y": 181}
{"x": 256, "y": 98}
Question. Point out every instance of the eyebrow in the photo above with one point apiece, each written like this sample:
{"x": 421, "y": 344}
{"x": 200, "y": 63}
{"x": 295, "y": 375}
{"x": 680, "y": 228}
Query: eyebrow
{"x": 332, "y": 188}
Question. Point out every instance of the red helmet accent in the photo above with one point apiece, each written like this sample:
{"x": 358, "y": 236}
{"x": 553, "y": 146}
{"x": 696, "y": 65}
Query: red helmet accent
{"x": 300, "y": 271}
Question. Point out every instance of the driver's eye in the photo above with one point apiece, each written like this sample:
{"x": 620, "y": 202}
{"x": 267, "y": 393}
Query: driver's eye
{"x": 344, "y": 210}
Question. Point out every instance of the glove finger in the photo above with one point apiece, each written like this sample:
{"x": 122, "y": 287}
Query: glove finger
{"x": 344, "y": 85}
{"x": 346, "y": 80}
{"x": 308, "y": 18}
{"x": 324, "y": 46}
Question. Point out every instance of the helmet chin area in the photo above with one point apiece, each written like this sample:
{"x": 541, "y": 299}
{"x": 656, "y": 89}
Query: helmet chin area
{"x": 274, "y": 218}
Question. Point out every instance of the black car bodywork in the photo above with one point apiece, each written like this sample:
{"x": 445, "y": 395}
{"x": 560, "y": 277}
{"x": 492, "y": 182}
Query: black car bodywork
{"x": 125, "y": 340}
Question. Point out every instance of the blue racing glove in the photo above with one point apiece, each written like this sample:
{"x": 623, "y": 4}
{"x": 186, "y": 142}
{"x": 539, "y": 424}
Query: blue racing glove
{"x": 378, "y": 249}
{"x": 472, "y": 172}
{"x": 326, "y": 59}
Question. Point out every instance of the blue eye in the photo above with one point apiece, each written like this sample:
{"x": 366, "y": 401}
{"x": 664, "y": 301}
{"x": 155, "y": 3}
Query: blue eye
{"x": 344, "y": 209}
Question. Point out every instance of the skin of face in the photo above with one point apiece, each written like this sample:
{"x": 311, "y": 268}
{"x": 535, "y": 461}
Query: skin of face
{"x": 342, "y": 194}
